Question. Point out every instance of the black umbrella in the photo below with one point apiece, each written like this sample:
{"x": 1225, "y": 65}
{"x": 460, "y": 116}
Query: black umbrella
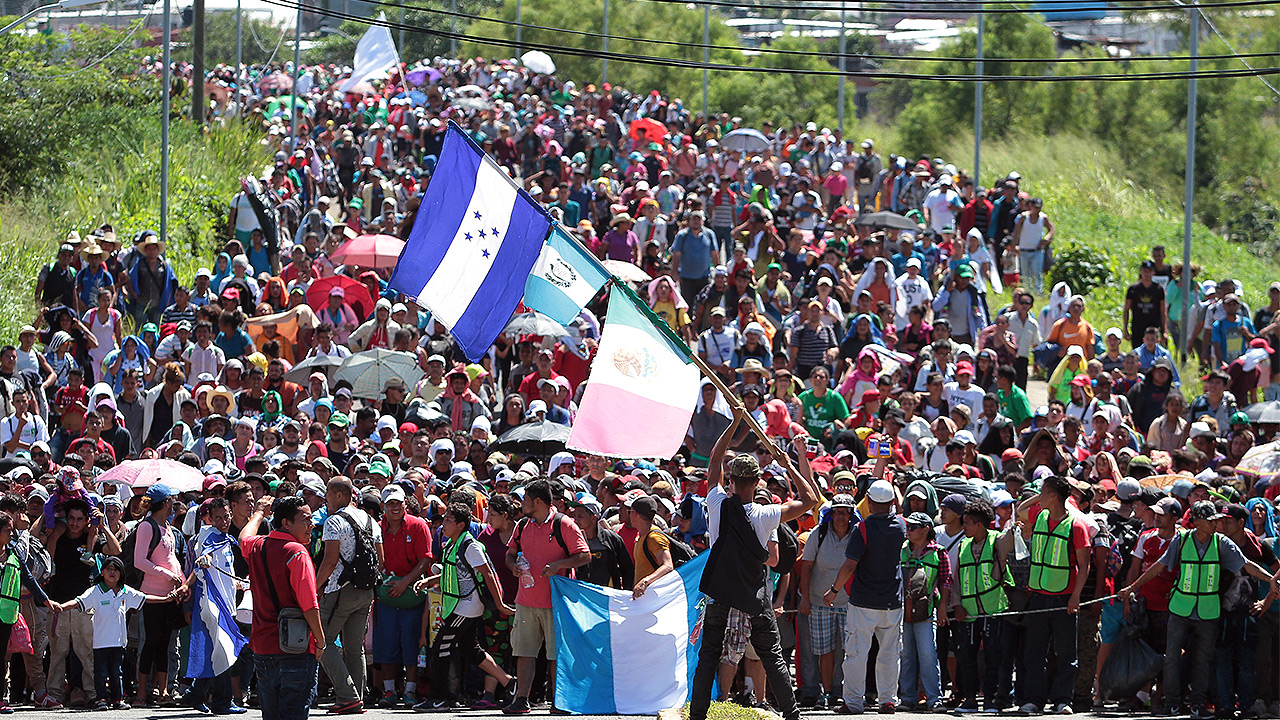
{"x": 534, "y": 438}
{"x": 886, "y": 219}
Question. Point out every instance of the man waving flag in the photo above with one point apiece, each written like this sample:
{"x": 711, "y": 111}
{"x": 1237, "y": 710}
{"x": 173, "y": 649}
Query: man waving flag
{"x": 474, "y": 241}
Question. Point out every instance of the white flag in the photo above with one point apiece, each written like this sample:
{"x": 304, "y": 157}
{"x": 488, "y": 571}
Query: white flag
{"x": 375, "y": 55}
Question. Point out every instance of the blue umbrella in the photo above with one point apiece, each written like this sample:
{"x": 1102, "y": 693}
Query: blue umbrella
{"x": 418, "y": 97}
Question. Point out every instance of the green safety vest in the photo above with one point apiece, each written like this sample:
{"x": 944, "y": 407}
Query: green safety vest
{"x": 1050, "y": 554}
{"x": 1198, "y": 580}
{"x": 931, "y": 564}
{"x": 980, "y": 592}
{"x": 10, "y": 589}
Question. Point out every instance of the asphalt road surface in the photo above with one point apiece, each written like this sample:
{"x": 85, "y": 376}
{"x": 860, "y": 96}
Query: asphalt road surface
{"x": 27, "y": 713}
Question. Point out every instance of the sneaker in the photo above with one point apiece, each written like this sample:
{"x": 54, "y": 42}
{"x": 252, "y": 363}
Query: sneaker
{"x": 1030, "y": 709}
{"x": 1200, "y": 712}
{"x": 411, "y": 699}
{"x": 45, "y": 701}
{"x": 101, "y": 705}
{"x": 231, "y": 709}
{"x": 389, "y": 700}
{"x": 886, "y": 709}
{"x": 1063, "y": 709}
{"x": 486, "y": 702}
{"x": 120, "y": 705}
{"x": 5, "y": 709}
{"x": 558, "y": 711}
{"x": 519, "y": 706}
{"x": 1274, "y": 709}
{"x": 430, "y": 705}
{"x": 353, "y": 707}
{"x": 844, "y": 709}
{"x": 201, "y": 708}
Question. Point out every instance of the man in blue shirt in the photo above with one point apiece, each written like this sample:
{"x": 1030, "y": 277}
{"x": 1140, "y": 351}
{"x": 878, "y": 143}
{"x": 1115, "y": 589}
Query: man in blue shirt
{"x": 1231, "y": 333}
{"x": 1151, "y": 350}
{"x": 693, "y": 254}
{"x": 906, "y": 251}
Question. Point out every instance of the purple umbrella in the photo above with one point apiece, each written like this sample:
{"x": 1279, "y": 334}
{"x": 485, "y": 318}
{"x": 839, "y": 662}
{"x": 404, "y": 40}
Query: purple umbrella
{"x": 421, "y": 76}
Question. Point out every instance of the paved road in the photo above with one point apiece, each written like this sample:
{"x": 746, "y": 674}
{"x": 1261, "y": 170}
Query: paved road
{"x": 177, "y": 714}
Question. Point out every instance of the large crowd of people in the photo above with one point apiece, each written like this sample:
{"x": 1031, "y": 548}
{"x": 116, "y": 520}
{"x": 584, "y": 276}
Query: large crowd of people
{"x": 910, "y": 533}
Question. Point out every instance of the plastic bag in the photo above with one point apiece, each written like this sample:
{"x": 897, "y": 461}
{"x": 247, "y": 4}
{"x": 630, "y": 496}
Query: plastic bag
{"x": 1020, "y": 551}
{"x": 20, "y": 637}
{"x": 1130, "y": 667}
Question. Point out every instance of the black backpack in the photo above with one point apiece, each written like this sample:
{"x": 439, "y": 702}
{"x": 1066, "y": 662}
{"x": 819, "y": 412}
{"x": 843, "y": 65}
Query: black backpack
{"x": 556, "y": 533}
{"x": 132, "y": 576}
{"x": 681, "y": 552}
{"x": 788, "y": 549}
{"x": 362, "y": 571}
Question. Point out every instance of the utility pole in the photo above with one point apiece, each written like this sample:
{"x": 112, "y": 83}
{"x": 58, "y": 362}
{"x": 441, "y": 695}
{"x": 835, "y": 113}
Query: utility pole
{"x": 1189, "y": 182}
{"x": 520, "y": 30}
{"x": 706, "y": 57}
{"x": 239, "y": 48}
{"x": 840, "y": 91}
{"x": 401, "y": 48}
{"x": 165, "y": 84}
{"x": 604, "y": 62}
{"x": 297, "y": 61}
{"x": 977, "y": 105}
{"x": 453, "y": 29}
{"x": 198, "y": 101}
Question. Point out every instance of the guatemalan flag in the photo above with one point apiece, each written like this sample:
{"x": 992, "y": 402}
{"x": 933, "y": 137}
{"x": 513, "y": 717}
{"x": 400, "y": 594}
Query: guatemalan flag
{"x": 216, "y": 640}
{"x": 642, "y": 390}
{"x": 564, "y": 279}
{"x": 615, "y": 655}
{"x": 473, "y": 244}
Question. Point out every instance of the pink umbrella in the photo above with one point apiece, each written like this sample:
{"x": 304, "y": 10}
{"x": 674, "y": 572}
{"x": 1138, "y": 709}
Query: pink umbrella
{"x": 145, "y": 473}
{"x": 375, "y": 251}
{"x": 356, "y": 295}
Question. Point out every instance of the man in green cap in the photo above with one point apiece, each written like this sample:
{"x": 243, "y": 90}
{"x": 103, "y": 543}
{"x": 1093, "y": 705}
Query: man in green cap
{"x": 339, "y": 445}
{"x": 964, "y": 304}
{"x": 773, "y": 292}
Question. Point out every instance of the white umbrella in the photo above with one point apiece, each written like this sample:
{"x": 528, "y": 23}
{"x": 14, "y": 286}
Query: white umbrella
{"x": 626, "y": 271}
{"x": 534, "y": 323}
{"x": 472, "y": 91}
{"x": 369, "y": 371}
{"x": 538, "y": 61}
{"x": 745, "y": 140}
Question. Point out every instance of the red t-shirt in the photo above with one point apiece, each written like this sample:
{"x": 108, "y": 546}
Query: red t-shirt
{"x": 286, "y": 566}
{"x": 1156, "y": 592}
{"x": 404, "y": 548}
{"x": 1079, "y": 540}
{"x": 529, "y": 386}
{"x": 72, "y": 418}
{"x": 541, "y": 549}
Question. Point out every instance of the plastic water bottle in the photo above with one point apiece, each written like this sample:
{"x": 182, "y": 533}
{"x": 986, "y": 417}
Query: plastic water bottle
{"x": 696, "y": 633}
{"x": 526, "y": 577}
{"x": 422, "y": 657}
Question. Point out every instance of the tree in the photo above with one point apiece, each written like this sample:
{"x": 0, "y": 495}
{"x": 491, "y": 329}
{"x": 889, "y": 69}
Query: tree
{"x": 261, "y": 40}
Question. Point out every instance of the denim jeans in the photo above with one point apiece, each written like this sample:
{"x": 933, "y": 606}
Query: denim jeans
{"x": 1031, "y": 264}
{"x": 286, "y": 685}
{"x": 1060, "y": 626}
{"x": 982, "y": 634}
{"x": 108, "y": 673}
{"x": 214, "y": 692}
{"x": 1200, "y": 635}
{"x": 919, "y": 663}
{"x": 860, "y": 626}
{"x": 1237, "y": 649}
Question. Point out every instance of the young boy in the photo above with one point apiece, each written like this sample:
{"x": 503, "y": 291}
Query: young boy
{"x": 110, "y": 600}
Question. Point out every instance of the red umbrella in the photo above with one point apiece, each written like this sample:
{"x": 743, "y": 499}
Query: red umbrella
{"x": 356, "y": 295}
{"x": 375, "y": 251}
{"x": 145, "y": 473}
{"x": 648, "y": 129}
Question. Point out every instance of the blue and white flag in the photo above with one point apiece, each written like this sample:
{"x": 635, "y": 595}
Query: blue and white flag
{"x": 473, "y": 243}
{"x": 615, "y": 655}
{"x": 564, "y": 279}
{"x": 216, "y": 640}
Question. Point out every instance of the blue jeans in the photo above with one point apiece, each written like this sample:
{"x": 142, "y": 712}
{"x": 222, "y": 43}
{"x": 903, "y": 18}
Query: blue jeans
{"x": 108, "y": 673}
{"x": 919, "y": 663}
{"x": 286, "y": 685}
{"x": 1031, "y": 266}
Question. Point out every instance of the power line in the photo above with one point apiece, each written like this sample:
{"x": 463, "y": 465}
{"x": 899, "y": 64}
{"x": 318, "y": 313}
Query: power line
{"x": 697, "y": 65}
{"x": 823, "y": 55}
{"x": 94, "y": 63}
{"x": 947, "y": 7}
{"x": 1240, "y": 57}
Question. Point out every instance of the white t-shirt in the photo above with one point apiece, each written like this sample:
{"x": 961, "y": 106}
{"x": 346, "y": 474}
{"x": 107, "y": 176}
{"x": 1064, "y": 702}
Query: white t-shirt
{"x": 940, "y": 204}
{"x": 473, "y": 605}
{"x": 971, "y": 396}
{"x": 336, "y": 528}
{"x": 204, "y": 360}
{"x": 34, "y": 431}
{"x": 109, "y": 609}
{"x": 764, "y": 519}
{"x": 246, "y": 218}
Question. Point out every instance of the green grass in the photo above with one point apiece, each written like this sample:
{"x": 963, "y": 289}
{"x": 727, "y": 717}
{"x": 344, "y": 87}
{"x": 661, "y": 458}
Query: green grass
{"x": 726, "y": 711}
{"x": 120, "y": 184}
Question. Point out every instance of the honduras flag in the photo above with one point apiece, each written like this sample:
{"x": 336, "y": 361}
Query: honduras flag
{"x": 621, "y": 656}
{"x": 564, "y": 279}
{"x": 473, "y": 243}
{"x": 216, "y": 640}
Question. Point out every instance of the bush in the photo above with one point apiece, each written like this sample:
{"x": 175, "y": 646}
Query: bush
{"x": 1079, "y": 267}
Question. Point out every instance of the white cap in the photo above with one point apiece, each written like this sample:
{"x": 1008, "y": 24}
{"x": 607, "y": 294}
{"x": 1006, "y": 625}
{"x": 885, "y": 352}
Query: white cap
{"x": 537, "y": 406}
{"x": 1000, "y": 498}
{"x": 441, "y": 445}
{"x": 213, "y": 467}
{"x": 1202, "y": 429}
{"x": 914, "y": 262}
{"x": 388, "y": 422}
{"x": 881, "y": 492}
{"x": 966, "y": 437}
{"x": 392, "y": 492}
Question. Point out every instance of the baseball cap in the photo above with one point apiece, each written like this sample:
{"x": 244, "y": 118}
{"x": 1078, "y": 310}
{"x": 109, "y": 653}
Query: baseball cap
{"x": 339, "y": 420}
{"x": 1128, "y": 489}
{"x": 1169, "y": 506}
{"x": 1205, "y": 510}
{"x": 880, "y": 491}
{"x": 842, "y": 500}
{"x": 213, "y": 481}
{"x": 1000, "y": 498}
{"x": 392, "y": 492}
{"x": 1202, "y": 429}
{"x": 954, "y": 502}
{"x": 159, "y": 493}
{"x": 1010, "y": 455}
{"x": 586, "y": 501}
{"x": 744, "y": 466}
{"x": 966, "y": 437}
{"x": 919, "y": 520}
